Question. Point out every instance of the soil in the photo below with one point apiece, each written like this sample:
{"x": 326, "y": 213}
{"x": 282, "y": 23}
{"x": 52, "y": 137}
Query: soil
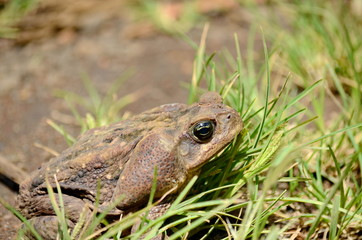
{"x": 61, "y": 41}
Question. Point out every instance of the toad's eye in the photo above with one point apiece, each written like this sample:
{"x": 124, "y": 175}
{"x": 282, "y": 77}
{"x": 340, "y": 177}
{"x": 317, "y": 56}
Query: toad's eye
{"x": 202, "y": 131}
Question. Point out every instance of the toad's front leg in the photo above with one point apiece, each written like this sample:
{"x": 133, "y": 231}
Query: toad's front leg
{"x": 153, "y": 161}
{"x": 155, "y": 212}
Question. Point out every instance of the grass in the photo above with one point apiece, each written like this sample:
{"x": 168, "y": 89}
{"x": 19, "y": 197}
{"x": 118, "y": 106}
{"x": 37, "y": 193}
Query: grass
{"x": 100, "y": 110}
{"x": 170, "y": 18}
{"x": 295, "y": 170}
{"x": 11, "y": 12}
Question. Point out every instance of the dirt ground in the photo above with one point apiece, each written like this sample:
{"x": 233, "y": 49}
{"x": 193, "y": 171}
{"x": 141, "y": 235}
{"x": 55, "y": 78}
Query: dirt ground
{"x": 59, "y": 43}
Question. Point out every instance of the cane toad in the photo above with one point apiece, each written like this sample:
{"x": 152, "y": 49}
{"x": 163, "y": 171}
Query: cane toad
{"x": 120, "y": 159}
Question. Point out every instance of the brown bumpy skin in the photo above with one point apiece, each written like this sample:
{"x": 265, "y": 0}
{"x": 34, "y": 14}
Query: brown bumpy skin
{"x": 122, "y": 158}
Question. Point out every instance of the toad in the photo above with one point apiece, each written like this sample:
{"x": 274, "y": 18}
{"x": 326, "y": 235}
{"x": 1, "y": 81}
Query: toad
{"x": 170, "y": 142}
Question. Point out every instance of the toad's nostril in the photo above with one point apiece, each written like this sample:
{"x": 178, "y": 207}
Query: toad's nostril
{"x": 228, "y": 117}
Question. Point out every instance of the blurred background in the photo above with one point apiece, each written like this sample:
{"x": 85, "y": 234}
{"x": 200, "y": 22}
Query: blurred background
{"x": 49, "y": 48}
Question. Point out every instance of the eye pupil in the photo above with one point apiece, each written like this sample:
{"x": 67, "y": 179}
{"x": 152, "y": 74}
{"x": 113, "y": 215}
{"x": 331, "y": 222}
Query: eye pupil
{"x": 203, "y": 130}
